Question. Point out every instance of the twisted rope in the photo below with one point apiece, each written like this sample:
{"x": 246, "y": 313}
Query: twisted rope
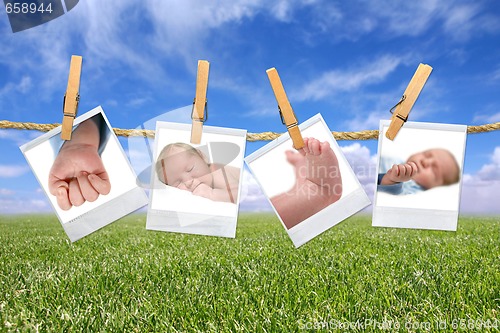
{"x": 264, "y": 136}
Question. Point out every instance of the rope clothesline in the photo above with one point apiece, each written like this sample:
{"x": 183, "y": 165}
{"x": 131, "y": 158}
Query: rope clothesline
{"x": 264, "y": 136}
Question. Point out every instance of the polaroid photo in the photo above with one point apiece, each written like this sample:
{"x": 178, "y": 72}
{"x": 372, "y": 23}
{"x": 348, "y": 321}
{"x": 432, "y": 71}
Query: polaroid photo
{"x": 419, "y": 176}
{"x": 196, "y": 189}
{"x": 310, "y": 192}
{"x": 88, "y": 179}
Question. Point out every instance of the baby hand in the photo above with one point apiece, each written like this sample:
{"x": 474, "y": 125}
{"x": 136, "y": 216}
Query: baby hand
{"x": 399, "y": 173}
{"x": 203, "y": 190}
{"x": 78, "y": 175}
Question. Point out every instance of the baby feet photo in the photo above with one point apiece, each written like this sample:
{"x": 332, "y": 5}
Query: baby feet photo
{"x": 311, "y": 189}
{"x": 419, "y": 176}
{"x": 318, "y": 182}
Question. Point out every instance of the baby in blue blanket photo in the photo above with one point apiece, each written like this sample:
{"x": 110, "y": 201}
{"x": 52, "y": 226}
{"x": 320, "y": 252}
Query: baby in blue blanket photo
{"x": 421, "y": 171}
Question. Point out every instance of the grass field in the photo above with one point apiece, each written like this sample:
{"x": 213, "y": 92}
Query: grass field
{"x": 354, "y": 278}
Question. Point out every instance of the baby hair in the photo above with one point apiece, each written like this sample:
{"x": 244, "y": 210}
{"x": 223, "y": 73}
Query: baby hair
{"x": 164, "y": 154}
{"x": 454, "y": 177}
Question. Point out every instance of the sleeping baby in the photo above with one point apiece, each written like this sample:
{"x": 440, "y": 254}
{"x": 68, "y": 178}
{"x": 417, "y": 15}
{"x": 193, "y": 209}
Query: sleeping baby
{"x": 422, "y": 171}
{"x": 182, "y": 166}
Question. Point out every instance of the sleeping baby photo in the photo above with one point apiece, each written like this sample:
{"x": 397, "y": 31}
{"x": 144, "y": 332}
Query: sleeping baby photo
{"x": 420, "y": 172}
{"x": 196, "y": 188}
{"x": 419, "y": 176}
{"x": 187, "y": 168}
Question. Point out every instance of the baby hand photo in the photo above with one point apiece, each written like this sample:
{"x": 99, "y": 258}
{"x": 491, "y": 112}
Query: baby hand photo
{"x": 78, "y": 174}
{"x": 399, "y": 173}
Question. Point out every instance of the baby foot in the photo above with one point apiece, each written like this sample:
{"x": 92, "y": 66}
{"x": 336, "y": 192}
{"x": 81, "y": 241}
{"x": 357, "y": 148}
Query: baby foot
{"x": 298, "y": 161}
{"x": 322, "y": 167}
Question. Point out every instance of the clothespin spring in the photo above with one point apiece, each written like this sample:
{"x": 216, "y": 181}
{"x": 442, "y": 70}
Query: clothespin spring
{"x": 281, "y": 116}
{"x": 67, "y": 114}
{"x": 404, "y": 119}
{"x": 205, "y": 114}
{"x": 283, "y": 120}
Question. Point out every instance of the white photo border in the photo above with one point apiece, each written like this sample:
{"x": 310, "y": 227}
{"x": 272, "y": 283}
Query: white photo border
{"x": 330, "y": 216}
{"x": 107, "y": 212}
{"x": 418, "y": 218}
{"x": 188, "y": 222}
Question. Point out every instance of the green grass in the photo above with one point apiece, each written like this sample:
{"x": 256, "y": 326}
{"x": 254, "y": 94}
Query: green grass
{"x": 124, "y": 278}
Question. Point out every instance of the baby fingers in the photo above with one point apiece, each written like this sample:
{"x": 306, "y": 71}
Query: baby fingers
{"x": 407, "y": 170}
{"x": 100, "y": 183}
{"x": 403, "y": 172}
{"x": 88, "y": 191}
{"x": 75, "y": 194}
{"x": 62, "y": 198}
{"x": 413, "y": 168}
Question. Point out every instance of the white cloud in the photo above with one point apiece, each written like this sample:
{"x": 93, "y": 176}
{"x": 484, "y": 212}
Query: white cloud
{"x": 42, "y": 52}
{"x": 19, "y": 202}
{"x": 144, "y": 36}
{"x": 388, "y": 19}
{"x": 479, "y": 198}
{"x": 494, "y": 118}
{"x": 23, "y": 87}
{"x": 186, "y": 32}
{"x": 19, "y": 206}
{"x": 368, "y": 108}
{"x": 283, "y": 10}
{"x": 496, "y": 157}
{"x": 138, "y": 101}
{"x": 140, "y": 36}
{"x": 460, "y": 18}
{"x": 350, "y": 20}
{"x": 491, "y": 171}
{"x": 11, "y": 171}
{"x": 364, "y": 165}
{"x": 6, "y": 192}
{"x": 39, "y": 204}
{"x": 406, "y": 18}
{"x": 480, "y": 191}
{"x": 350, "y": 79}
{"x": 19, "y": 137}
{"x": 252, "y": 198}
{"x": 489, "y": 114}
{"x": 363, "y": 121}
{"x": 463, "y": 21}
{"x": 496, "y": 75}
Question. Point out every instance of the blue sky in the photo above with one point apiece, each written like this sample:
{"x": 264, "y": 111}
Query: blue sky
{"x": 348, "y": 60}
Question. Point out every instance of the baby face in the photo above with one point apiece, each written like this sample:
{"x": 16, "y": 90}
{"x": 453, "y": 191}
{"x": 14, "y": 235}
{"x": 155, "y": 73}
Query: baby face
{"x": 436, "y": 167}
{"x": 186, "y": 170}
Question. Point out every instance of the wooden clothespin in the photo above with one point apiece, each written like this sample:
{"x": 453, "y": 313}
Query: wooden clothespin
{"x": 286, "y": 112}
{"x": 404, "y": 106}
{"x": 200, "y": 101}
{"x": 72, "y": 97}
